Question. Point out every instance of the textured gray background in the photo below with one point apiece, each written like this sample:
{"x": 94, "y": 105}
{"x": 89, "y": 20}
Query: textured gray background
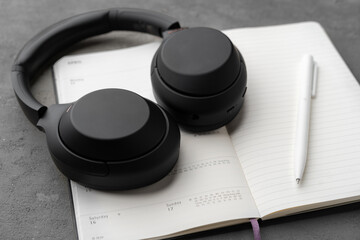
{"x": 35, "y": 200}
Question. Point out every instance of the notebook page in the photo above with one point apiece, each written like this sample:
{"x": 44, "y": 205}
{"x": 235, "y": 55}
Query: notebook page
{"x": 264, "y": 132}
{"x": 206, "y": 186}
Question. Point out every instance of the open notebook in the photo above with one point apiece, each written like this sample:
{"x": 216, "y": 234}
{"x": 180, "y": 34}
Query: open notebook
{"x": 241, "y": 171}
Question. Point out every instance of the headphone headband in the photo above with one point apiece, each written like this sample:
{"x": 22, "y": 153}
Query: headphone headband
{"x": 63, "y": 34}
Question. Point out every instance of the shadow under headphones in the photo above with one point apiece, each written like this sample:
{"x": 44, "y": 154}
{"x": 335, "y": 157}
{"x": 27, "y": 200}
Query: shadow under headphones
{"x": 114, "y": 139}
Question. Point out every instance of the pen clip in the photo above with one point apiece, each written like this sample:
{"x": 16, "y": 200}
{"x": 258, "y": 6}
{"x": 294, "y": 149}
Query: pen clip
{"x": 314, "y": 80}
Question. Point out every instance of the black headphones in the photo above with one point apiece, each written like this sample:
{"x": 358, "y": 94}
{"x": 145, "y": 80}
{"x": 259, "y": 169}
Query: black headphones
{"x": 114, "y": 139}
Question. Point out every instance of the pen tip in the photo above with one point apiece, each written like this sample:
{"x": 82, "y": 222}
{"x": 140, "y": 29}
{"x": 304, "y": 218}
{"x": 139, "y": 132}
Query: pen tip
{"x": 298, "y": 180}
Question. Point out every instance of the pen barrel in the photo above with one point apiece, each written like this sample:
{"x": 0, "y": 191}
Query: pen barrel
{"x": 303, "y": 116}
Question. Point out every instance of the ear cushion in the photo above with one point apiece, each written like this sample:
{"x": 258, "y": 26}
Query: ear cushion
{"x": 199, "y": 76}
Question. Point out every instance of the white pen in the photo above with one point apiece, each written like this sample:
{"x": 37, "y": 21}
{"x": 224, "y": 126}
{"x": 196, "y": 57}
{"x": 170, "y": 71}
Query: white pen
{"x": 308, "y": 78}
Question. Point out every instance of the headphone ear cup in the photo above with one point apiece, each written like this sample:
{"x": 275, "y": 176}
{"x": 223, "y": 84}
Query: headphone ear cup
{"x": 199, "y": 76}
{"x": 112, "y": 139}
{"x": 112, "y": 125}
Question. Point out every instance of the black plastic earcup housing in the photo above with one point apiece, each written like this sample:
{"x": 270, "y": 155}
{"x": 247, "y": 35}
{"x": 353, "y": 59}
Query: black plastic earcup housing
{"x": 105, "y": 143}
{"x": 199, "y": 76}
{"x": 112, "y": 125}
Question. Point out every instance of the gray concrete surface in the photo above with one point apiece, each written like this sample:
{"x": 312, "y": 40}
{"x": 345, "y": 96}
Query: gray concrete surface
{"x": 35, "y": 200}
